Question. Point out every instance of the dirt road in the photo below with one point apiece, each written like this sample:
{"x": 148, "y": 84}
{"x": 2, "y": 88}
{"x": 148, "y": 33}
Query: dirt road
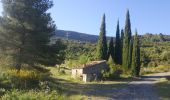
{"x": 140, "y": 89}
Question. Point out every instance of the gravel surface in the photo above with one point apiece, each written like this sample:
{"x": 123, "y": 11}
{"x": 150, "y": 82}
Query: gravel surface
{"x": 141, "y": 89}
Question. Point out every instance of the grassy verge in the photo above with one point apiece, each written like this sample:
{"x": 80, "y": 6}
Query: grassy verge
{"x": 159, "y": 69}
{"x": 60, "y": 86}
{"x": 76, "y": 89}
{"x": 163, "y": 89}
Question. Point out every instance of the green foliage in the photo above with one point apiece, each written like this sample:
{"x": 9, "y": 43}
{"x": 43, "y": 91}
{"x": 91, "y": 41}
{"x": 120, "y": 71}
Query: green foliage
{"x": 55, "y": 53}
{"x": 126, "y": 42}
{"x": 110, "y": 61}
{"x": 158, "y": 69}
{"x": 111, "y": 49}
{"x": 118, "y": 52}
{"x": 26, "y": 78}
{"x": 122, "y": 38}
{"x": 165, "y": 55}
{"x": 136, "y": 56}
{"x": 22, "y": 79}
{"x": 32, "y": 95}
{"x": 25, "y": 30}
{"x": 162, "y": 88}
{"x": 82, "y": 59}
{"x": 75, "y": 49}
{"x": 128, "y": 26}
{"x": 101, "y": 53}
{"x": 125, "y": 56}
{"x": 130, "y": 53}
{"x": 114, "y": 71}
{"x": 154, "y": 53}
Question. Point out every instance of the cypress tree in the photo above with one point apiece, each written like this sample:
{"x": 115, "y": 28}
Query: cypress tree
{"x": 117, "y": 57}
{"x": 136, "y": 56}
{"x": 128, "y": 26}
{"x": 126, "y": 42}
{"x": 122, "y": 36}
{"x": 111, "y": 49}
{"x": 130, "y": 53}
{"x": 102, "y": 42}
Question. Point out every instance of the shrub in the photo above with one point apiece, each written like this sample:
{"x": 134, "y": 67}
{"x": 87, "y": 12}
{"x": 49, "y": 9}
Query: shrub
{"x": 152, "y": 64}
{"x": 23, "y": 79}
{"x": 159, "y": 69}
{"x": 62, "y": 72}
{"x": 31, "y": 95}
{"x": 114, "y": 72}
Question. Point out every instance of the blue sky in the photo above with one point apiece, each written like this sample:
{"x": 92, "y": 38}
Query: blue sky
{"x": 85, "y": 15}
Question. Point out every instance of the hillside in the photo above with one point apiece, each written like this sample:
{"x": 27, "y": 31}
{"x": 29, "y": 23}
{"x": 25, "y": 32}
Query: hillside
{"x": 72, "y": 35}
{"x": 83, "y": 37}
{"x": 149, "y": 37}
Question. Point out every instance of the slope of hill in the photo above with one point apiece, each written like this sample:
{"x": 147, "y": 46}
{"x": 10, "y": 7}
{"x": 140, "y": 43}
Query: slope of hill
{"x": 149, "y": 37}
{"x": 71, "y": 35}
{"x": 83, "y": 37}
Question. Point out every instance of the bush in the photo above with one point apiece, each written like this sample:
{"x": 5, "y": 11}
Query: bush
{"x": 31, "y": 95}
{"x": 23, "y": 79}
{"x": 152, "y": 64}
{"x": 159, "y": 69}
{"x": 114, "y": 72}
{"x": 62, "y": 72}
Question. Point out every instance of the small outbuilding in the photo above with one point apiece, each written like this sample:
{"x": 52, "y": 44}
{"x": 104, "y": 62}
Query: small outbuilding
{"x": 91, "y": 71}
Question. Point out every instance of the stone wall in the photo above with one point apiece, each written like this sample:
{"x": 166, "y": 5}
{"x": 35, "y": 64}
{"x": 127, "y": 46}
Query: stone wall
{"x": 95, "y": 69}
{"x": 90, "y": 71}
{"x": 77, "y": 72}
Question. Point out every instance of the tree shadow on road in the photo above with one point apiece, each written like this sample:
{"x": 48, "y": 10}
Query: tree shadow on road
{"x": 93, "y": 89}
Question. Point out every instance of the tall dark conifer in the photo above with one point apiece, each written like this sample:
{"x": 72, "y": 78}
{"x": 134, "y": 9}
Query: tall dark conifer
{"x": 126, "y": 42}
{"x": 136, "y": 56}
{"x": 111, "y": 49}
{"x": 102, "y": 42}
{"x": 130, "y": 53}
{"x": 122, "y": 37}
{"x": 117, "y": 57}
{"x": 128, "y": 25}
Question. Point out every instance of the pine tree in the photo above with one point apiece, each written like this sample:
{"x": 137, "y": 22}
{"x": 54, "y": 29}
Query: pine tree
{"x": 136, "y": 56}
{"x": 102, "y": 42}
{"x": 25, "y": 30}
{"x": 126, "y": 42}
{"x": 117, "y": 57}
{"x": 111, "y": 49}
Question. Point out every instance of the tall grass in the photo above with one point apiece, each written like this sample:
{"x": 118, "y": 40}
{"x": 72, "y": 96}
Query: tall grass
{"x": 159, "y": 69}
{"x": 32, "y": 95}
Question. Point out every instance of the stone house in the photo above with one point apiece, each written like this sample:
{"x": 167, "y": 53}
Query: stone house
{"x": 89, "y": 72}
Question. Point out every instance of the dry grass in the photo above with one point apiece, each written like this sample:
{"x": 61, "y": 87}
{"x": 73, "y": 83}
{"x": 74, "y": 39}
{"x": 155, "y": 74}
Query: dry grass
{"x": 163, "y": 89}
{"x": 159, "y": 69}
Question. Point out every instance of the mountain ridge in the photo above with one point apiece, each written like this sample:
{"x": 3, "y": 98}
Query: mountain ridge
{"x": 84, "y": 37}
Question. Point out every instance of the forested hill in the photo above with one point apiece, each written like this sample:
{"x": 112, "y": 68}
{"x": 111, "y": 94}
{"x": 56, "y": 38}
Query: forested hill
{"x": 149, "y": 37}
{"x": 72, "y": 35}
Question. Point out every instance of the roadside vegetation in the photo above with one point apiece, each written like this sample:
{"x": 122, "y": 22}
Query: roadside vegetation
{"x": 32, "y": 67}
{"x": 162, "y": 88}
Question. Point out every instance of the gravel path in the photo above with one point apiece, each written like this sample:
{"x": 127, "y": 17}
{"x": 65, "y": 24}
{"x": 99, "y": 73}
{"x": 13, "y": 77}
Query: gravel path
{"x": 141, "y": 89}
